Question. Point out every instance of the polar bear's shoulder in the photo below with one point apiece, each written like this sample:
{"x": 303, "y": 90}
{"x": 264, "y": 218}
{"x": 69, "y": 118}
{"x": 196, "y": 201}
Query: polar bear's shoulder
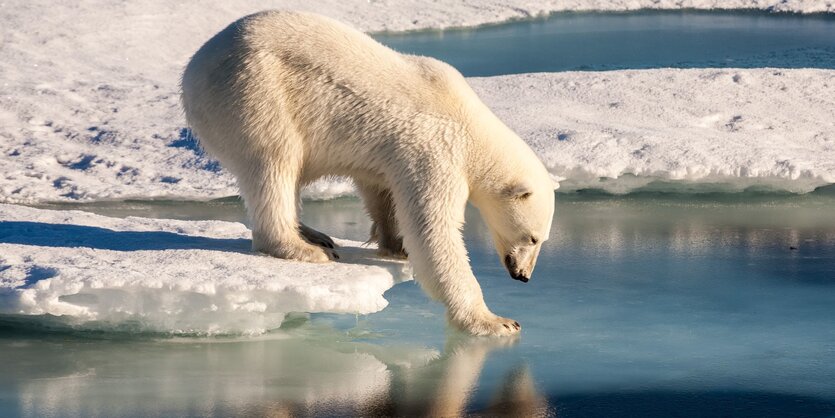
{"x": 433, "y": 71}
{"x": 301, "y": 30}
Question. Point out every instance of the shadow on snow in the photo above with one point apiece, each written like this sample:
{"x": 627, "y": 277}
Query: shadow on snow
{"x": 58, "y": 235}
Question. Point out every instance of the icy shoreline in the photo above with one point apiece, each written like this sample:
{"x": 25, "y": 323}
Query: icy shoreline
{"x": 192, "y": 277}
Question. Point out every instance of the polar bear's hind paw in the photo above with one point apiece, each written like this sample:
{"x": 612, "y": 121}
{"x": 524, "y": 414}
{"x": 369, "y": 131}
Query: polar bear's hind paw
{"x": 392, "y": 248}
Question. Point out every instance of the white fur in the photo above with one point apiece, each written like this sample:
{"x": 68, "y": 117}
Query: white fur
{"x": 283, "y": 98}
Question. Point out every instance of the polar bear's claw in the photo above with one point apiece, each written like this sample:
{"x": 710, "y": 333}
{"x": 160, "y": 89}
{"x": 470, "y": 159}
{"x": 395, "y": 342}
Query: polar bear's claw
{"x": 315, "y": 237}
{"x": 491, "y": 325}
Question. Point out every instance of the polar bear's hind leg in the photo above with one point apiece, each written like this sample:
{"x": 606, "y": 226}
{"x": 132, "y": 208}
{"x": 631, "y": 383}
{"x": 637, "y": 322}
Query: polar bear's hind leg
{"x": 384, "y": 231}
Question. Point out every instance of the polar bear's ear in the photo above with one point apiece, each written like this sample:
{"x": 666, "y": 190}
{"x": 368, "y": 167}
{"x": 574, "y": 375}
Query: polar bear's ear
{"x": 519, "y": 191}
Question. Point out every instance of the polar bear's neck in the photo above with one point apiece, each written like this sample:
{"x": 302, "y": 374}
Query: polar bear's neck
{"x": 496, "y": 156}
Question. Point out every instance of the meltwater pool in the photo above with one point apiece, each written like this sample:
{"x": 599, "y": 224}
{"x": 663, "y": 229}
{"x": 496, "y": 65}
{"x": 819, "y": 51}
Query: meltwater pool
{"x": 635, "y": 40}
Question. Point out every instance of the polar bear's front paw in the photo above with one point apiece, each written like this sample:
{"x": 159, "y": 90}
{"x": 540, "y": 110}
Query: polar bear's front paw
{"x": 488, "y": 324}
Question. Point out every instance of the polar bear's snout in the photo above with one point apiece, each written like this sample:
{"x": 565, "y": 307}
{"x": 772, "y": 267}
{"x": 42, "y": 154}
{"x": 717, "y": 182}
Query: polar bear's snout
{"x": 521, "y": 261}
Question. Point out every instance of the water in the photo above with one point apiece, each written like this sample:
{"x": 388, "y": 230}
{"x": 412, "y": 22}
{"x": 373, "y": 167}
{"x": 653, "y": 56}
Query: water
{"x": 645, "y": 305}
{"x": 651, "y": 39}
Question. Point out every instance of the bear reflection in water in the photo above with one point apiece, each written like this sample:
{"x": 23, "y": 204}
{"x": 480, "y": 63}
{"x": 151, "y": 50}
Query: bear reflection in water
{"x": 445, "y": 387}
{"x": 282, "y": 375}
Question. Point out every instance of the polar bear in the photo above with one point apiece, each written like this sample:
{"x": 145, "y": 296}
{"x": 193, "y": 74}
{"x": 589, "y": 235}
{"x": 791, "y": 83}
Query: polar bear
{"x": 283, "y": 98}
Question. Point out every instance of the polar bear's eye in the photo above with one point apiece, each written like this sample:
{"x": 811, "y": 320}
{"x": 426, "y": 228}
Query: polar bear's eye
{"x": 534, "y": 240}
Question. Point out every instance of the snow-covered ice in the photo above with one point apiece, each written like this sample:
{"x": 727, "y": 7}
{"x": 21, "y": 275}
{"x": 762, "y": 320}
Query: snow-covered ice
{"x": 171, "y": 276}
{"x": 718, "y": 128}
{"x": 707, "y": 129}
{"x": 89, "y": 103}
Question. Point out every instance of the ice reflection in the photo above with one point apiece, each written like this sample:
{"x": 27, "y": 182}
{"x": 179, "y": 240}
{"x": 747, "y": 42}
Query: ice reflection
{"x": 83, "y": 378}
{"x": 300, "y": 372}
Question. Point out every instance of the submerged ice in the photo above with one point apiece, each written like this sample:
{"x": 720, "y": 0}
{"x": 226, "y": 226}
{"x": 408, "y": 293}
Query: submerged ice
{"x": 171, "y": 276}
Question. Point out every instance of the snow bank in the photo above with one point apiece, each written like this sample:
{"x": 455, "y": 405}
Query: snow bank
{"x": 699, "y": 129}
{"x": 171, "y": 276}
{"x": 89, "y": 104}
{"x": 667, "y": 129}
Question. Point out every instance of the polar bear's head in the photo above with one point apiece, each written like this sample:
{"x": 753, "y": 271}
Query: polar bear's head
{"x": 519, "y": 217}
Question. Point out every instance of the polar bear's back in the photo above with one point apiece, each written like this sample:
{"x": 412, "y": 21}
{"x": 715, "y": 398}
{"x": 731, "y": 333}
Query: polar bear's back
{"x": 280, "y": 64}
{"x": 296, "y": 48}
{"x": 300, "y": 38}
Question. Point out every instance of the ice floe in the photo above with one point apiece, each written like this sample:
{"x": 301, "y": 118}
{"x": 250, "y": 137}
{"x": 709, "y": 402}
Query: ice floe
{"x": 171, "y": 276}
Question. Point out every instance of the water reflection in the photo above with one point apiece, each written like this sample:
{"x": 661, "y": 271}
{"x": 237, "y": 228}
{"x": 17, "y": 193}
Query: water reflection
{"x": 445, "y": 386}
{"x": 298, "y": 372}
{"x": 653, "y": 305}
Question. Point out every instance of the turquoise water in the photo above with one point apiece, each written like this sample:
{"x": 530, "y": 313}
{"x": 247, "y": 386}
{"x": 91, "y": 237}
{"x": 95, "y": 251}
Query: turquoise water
{"x": 645, "y": 305}
{"x": 651, "y": 39}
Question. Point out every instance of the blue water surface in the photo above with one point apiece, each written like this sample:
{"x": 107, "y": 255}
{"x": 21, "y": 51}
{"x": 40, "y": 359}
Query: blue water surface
{"x": 635, "y": 40}
{"x": 664, "y": 306}
{"x": 645, "y": 305}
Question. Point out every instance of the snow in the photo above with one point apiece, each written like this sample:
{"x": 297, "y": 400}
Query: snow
{"x": 171, "y": 276}
{"x": 89, "y": 102}
{"x": 696, "y": 129}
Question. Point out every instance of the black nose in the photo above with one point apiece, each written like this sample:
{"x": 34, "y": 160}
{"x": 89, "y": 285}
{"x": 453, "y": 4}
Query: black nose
{"x": 521, "y": 278}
